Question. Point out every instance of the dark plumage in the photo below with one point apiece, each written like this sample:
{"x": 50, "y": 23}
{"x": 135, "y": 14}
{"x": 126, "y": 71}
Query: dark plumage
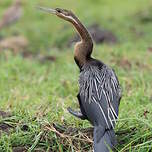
{"x": 99, "y": 99}
{"x": 99, "y": 94}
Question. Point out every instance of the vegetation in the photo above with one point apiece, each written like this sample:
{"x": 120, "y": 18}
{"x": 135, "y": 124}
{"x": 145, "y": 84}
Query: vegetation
{"x": 38, "y": 93}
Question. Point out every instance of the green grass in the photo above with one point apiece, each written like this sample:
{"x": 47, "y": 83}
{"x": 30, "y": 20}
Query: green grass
{"x": 38, "y": 93}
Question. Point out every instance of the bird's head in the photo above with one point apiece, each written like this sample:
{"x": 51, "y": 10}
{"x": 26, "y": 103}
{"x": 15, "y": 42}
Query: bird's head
{"x": 62, "y": 13}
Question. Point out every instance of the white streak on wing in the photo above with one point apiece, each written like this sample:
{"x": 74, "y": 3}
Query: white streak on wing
{"x": 90, "y": 91}
{"x": 114, "y": 119}
{"x": 101, "y": 111}
{"x": 115, "y": 80}
{"x": 111, "y": 93}
{"x": 100, "y": 92}
{"x": 113, "y": 110}
{"x": 98, "y": 79}
{"x": 113, "y": 85}
{"x": 111, "y": 107}
{"x": 101, "y": 83}
{"x": 110, "y": 118}
{"x": 96, "y": 88}
{"x": 85, "y": 90}
{"x": 103, "y": 78}
{"x": 106, "y": 97}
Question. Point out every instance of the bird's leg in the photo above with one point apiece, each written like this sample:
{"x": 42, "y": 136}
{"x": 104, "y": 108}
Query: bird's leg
{"x": 79, "y": 114}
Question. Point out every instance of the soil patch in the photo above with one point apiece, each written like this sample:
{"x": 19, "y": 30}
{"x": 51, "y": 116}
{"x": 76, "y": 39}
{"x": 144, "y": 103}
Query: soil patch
{"x": 150, "y": 49}
{"x": 47, "y": 58}
{"x": 4, "y": 114}
{"x": 19, "y": 149}
{"x": 3, "y": 126}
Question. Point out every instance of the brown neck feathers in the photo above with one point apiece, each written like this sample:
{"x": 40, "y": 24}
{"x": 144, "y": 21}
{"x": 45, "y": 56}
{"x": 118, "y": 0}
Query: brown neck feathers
{"x": 83, "y": 49}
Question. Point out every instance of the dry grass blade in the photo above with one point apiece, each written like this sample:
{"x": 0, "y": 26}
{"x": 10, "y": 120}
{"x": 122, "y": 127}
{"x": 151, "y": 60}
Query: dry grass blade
{"x": 77, "y": 136}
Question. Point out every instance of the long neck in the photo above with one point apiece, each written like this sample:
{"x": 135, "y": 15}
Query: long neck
{"x": 82, "y": 31}
{"x": 83, "y": 49}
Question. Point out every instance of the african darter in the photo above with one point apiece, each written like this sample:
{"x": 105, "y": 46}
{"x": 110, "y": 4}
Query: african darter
{"x": 100, "y": 93}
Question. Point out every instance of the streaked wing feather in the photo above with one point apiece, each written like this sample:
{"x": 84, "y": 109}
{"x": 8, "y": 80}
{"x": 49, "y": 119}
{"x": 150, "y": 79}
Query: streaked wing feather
{"x": 101, "y": 83}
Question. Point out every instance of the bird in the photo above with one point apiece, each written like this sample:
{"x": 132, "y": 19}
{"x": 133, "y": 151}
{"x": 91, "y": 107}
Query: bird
{"x": 11, "y": 15}
{"x": 99, "y": 88}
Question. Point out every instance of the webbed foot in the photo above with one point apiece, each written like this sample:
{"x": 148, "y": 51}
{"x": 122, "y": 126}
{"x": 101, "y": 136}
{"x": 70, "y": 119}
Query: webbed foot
{"x": 77, "y": 114}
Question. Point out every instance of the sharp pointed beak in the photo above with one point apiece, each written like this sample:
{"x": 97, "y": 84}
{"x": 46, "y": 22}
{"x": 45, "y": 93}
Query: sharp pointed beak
{"x": 49, "y": 10}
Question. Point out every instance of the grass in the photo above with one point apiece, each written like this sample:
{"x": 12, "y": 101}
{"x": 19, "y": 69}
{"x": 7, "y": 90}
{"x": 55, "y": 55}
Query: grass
{"x": 37, "y": 94}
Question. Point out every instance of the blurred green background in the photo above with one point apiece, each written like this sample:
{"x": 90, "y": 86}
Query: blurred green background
{"x": 38, "y": 83}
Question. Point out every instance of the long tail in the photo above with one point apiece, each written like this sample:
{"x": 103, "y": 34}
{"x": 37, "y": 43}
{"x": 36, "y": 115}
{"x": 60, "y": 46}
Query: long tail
{"x": 104, "y": 140}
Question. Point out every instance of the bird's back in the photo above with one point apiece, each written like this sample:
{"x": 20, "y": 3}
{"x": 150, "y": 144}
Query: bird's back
{"x": 100, "y": 93}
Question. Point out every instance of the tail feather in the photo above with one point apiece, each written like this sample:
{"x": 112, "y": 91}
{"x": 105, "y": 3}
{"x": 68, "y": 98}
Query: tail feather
{"x": 106, "y": 142}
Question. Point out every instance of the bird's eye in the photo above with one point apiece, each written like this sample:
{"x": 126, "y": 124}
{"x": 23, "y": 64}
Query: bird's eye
{"x": 58, "y": 10}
